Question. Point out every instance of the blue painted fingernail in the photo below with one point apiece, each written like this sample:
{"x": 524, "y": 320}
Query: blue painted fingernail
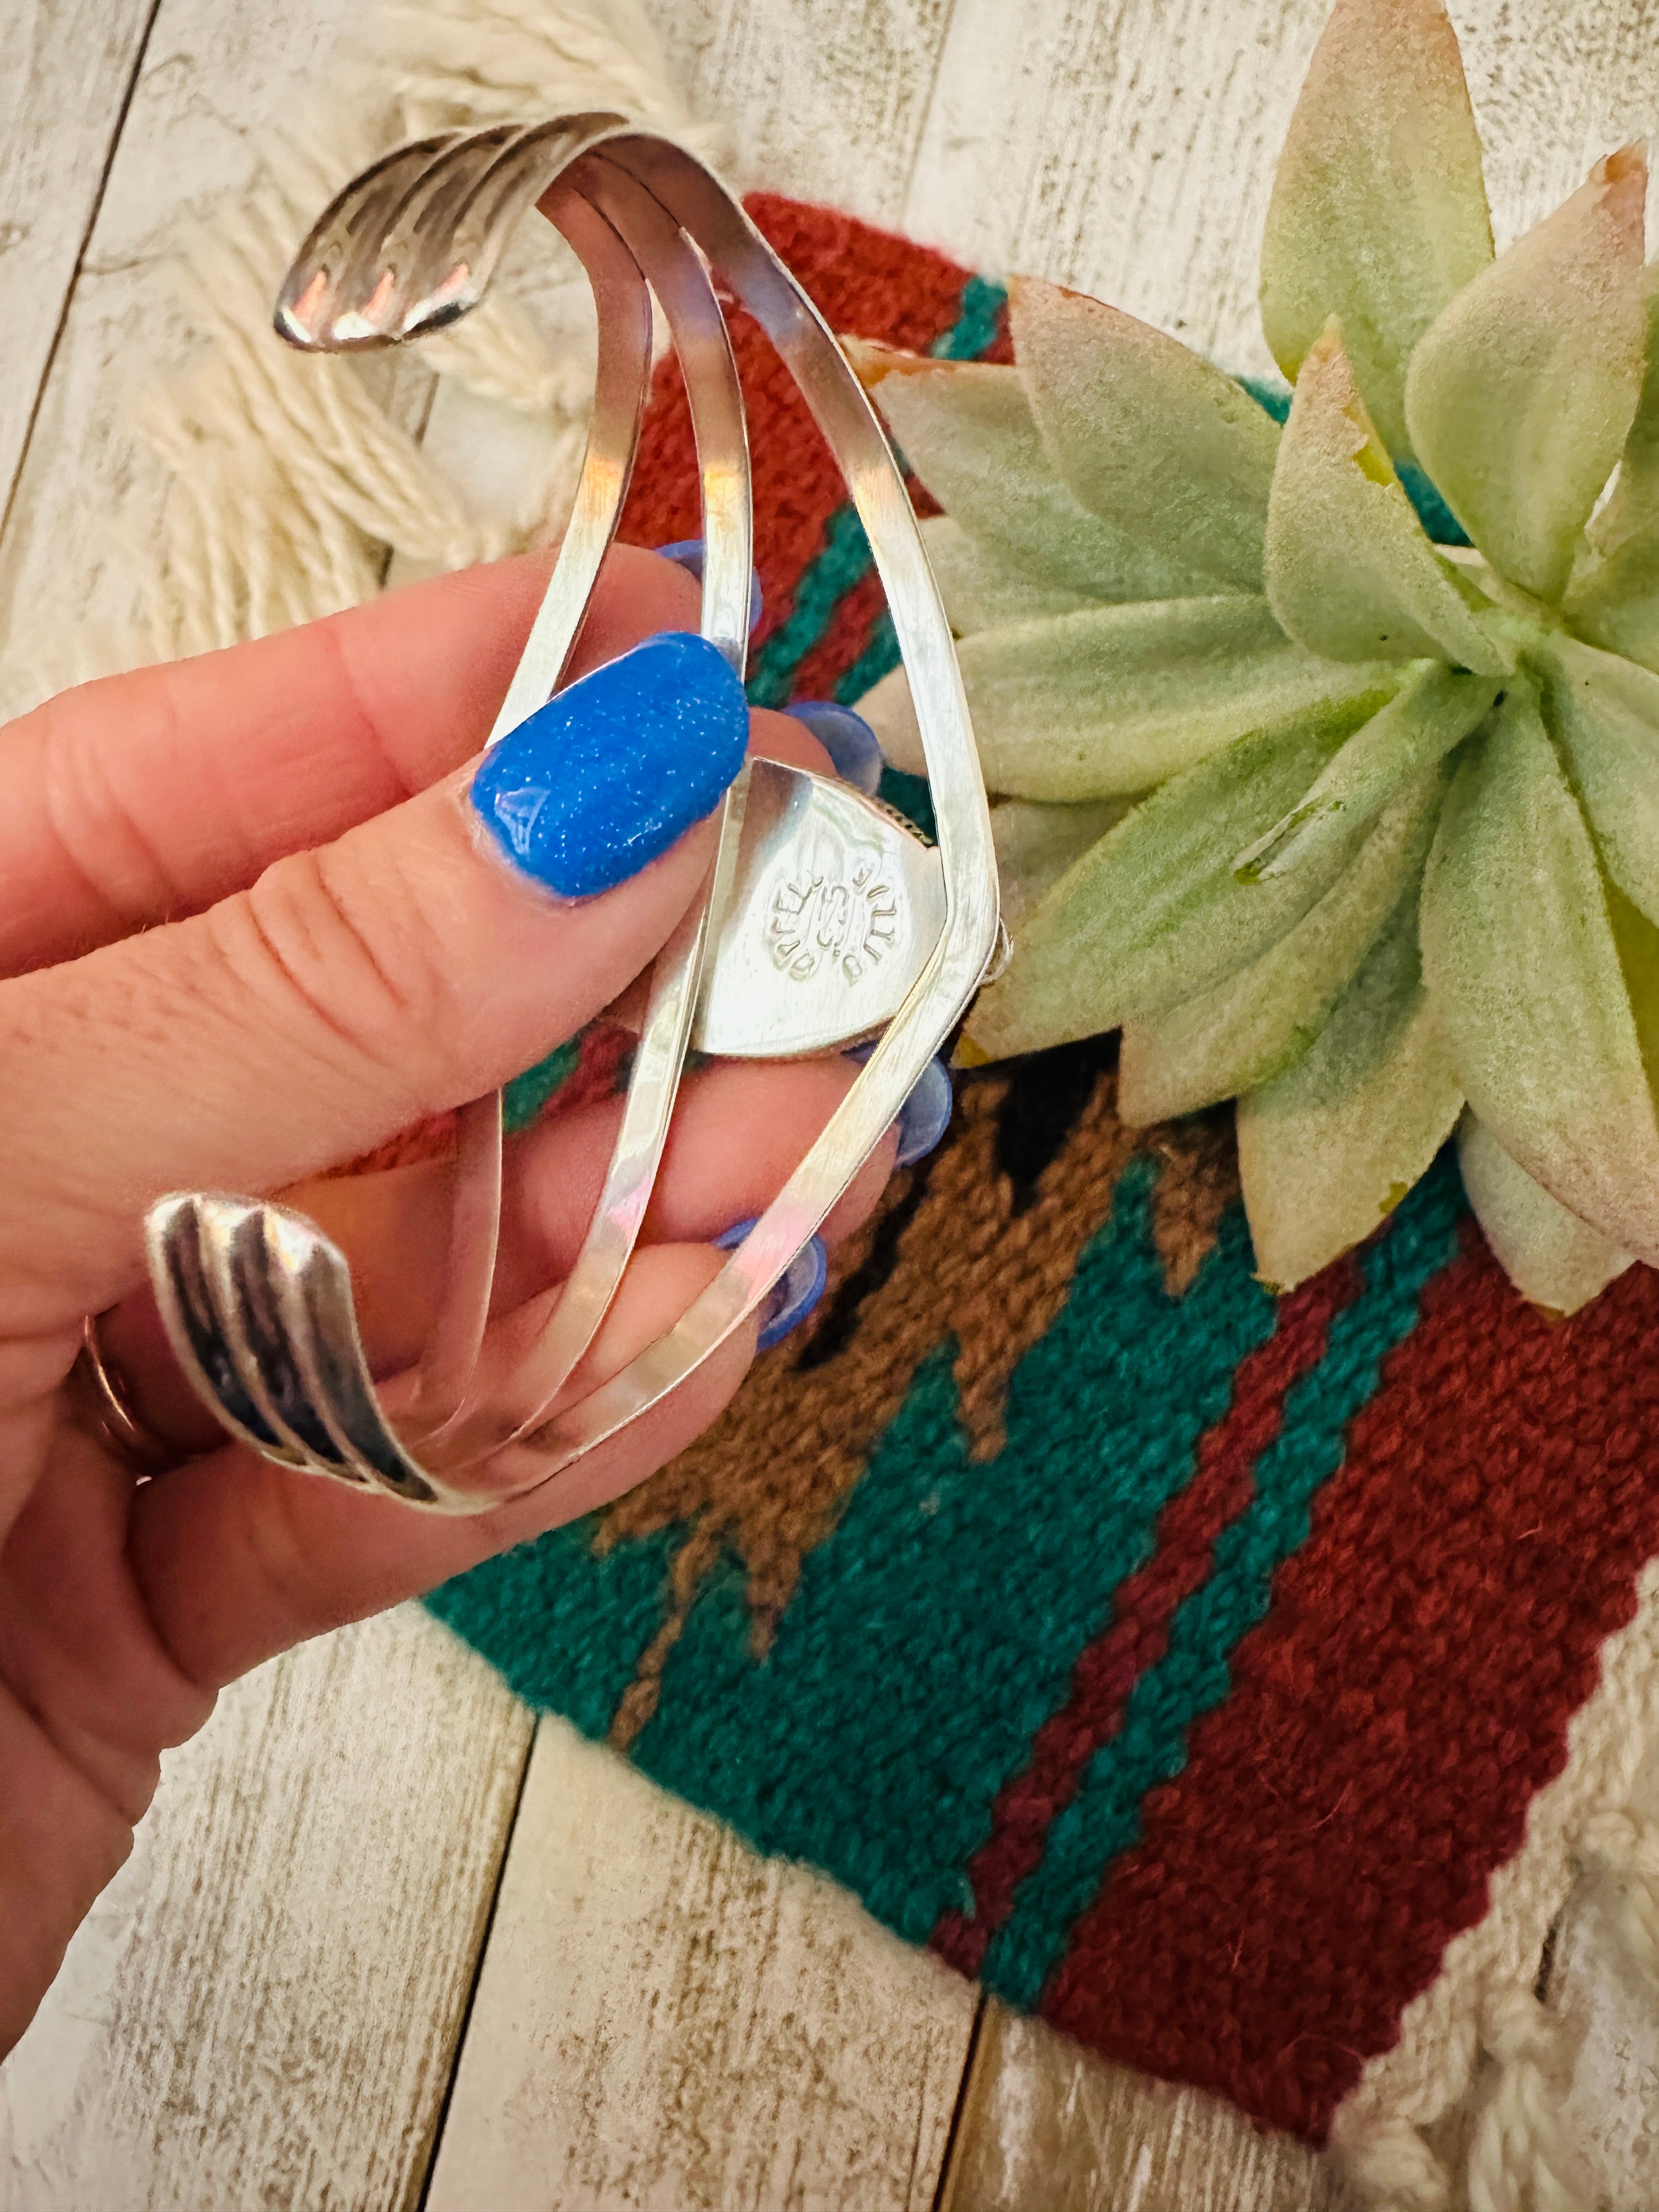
{"x": 796, "y": 1291}
{"x": 614, "y": 768}
{"x": 687, "y": 553}
{"x": 848, "y": 739}
{"x": 925, "y": 1116}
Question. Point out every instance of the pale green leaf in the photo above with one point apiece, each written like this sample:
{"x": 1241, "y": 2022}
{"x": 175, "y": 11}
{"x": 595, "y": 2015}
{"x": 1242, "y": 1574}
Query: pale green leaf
{"x": 1637, "y": 941}
{"x": 1328, "y": 1150}
{"x": 1605, "y": 711}
{"x": 1633, "y": 508}
{"x": 983, "y": 590}
{"x": 1036, "y": 845}
{"x": 1520, "y": 396}
{"x": 1614, "y": 602}
{"x": 1550, "y": 1256}
{"x": 1378, "y": 213}
{"x": 966, "y": 429}
{"x": 1153, "y": 914}
{"x": 1349, "y": 568}
{"x": 1437, "y": 710}
{"x": 1250, "y": 1027}
{"x": 1147, "y": 432}
{"x": 890, "y": 712}
{"x": 1521, "y": 961}
{"x": 1112, "y": 699}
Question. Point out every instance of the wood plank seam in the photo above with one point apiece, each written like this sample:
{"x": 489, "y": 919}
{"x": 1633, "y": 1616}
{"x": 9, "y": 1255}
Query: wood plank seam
{"x": 430, "y": 2158}
{"x": 950, "y": 2164}
{"x": 123, "y": 107}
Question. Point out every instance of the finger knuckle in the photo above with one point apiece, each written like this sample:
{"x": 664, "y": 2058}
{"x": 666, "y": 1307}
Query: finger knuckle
{"x": 354, "y": 962}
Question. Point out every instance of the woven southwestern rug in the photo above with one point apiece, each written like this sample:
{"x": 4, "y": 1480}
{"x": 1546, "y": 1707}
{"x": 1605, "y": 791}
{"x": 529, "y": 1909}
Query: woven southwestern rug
{"x": 1198, "y": 1668}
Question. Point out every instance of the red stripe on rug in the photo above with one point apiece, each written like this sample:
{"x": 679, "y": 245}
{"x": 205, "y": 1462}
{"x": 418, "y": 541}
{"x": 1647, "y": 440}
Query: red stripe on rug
{"x": 1108, "y": 1669}
{"x": 1442, "y": 1622}
{"x": 860, "y": 280}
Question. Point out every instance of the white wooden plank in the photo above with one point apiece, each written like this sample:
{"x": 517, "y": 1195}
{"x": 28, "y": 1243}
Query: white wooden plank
{"x": 68, "y": 65}
{"x": 1126, "y": 147}
{"x": 1613, "y": 2103}
{"x": 216, "y": 80}
{"x": 262, "y": 2008}
{"x": 665, "y": 2021}
{"x": 1042, "y": 2122}
{"x": 823, "y": 98}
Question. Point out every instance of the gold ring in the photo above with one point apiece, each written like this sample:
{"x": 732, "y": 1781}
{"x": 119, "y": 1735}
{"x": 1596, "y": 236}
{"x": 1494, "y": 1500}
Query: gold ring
{"x": 101, "y": 1404}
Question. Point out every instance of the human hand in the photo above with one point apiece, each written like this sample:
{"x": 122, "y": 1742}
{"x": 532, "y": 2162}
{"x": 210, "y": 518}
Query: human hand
{"x": 249, "y": 930}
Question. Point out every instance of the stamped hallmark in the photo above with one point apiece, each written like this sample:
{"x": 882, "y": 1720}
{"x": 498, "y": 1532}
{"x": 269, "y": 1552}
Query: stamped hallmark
{"x": 828, "y": 918}
{"x": 844, "y": 916}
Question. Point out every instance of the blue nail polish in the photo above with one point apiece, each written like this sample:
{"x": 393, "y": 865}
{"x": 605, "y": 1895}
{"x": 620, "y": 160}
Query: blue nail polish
{"x": 617, "y": 766}
{"x": 926, "y": 1115}
{"x": 796, "y": 1291}
{"x": 848, "y": 739}
{"x": 687, "y": 553}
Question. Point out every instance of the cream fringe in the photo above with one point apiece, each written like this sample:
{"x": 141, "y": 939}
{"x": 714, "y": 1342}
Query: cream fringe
{"x": 1481, "y": 2061}
{"x": 290, "y": 484}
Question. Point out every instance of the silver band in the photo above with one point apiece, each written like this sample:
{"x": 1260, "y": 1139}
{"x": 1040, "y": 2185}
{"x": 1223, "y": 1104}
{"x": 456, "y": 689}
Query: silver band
{"x": 257, "y": 1301}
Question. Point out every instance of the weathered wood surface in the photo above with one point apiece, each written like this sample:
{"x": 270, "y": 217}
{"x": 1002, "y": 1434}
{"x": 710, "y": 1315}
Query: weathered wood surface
{"x": 69, "y": 67}
{"x": 1043, "y": 2124}
{"x": 217, "y": 76}
{"x": 666, "y": 2020}
{"x": 264, "y": 2009}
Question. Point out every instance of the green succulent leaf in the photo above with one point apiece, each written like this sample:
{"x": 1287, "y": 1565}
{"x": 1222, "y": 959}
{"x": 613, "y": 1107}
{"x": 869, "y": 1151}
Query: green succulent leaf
{"x": 1349, "y": 568}
{"x": 1435, "y": 711}
{"x": 1114, "y": 700}
{"x": 1249, "y": 1028}
{"x": 1147, "y": 432}
{"x": 1632, "y": 509}
{"x": 1153, "y": 914}
{"x": 1520, "y": 396}
{"x": 1378, "y": 213}
{"x": 1615, "y": 600}
{"x": 890, "y": 712}
{"x": 966, "y": 429}
{"x": 1550, "y": 1256}
{"x": 1614, "y": 603}
{"x": 981, "y": 588}
{"x": 1036, "y": 845}
{"x": 1328, "y": 1150}
{"x": 1524, "y": 968}
{"x": 1605, "y": 711}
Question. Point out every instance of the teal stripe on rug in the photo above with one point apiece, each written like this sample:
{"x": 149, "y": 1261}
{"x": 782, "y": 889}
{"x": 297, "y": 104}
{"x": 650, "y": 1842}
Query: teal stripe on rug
{"x": 845, "y": 560}
{"x": 1194, "y": 1675}
{"x": 936, "y": 1626}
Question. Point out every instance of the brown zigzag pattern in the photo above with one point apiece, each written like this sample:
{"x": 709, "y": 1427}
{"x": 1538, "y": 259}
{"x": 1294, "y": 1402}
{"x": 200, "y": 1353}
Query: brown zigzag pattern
{"x": 968, "y": 1265}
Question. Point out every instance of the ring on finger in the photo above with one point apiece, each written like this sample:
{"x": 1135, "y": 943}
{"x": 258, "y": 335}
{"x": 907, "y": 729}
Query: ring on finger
{"x": 101, "y": 1404}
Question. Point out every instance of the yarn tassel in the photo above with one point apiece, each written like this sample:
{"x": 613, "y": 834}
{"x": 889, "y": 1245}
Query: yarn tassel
{"x": 290, "y": 486}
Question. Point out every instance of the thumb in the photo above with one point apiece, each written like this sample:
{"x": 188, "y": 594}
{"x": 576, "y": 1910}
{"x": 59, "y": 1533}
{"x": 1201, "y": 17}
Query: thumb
{"x": 422, "y": 958}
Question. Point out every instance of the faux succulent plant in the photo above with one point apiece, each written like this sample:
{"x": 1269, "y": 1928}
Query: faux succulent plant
{"x": 1357, "y": 829}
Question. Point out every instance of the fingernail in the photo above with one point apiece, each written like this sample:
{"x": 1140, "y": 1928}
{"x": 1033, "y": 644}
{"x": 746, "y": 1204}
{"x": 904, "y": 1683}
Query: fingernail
{"x": 926, "y": 1114}
{"x": 848, "y": 739}
{"x": 796, "y": 1291}
{"x": 617, "y": 766}
{"x": 687, "y": 553}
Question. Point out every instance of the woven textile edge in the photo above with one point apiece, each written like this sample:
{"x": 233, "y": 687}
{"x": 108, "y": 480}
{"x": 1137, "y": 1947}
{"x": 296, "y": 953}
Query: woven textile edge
{"x": 1478, "y": 2040}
